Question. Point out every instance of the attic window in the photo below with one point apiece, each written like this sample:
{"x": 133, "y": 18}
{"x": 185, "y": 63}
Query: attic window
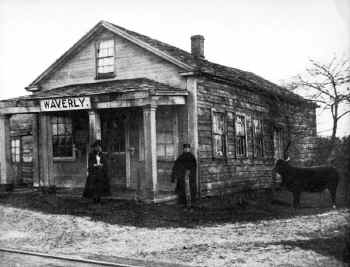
{"x": 105, "y": 59}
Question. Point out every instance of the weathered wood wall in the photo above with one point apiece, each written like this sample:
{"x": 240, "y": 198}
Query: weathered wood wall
{"x": 131, "y": 62}
{"x": 230, "y": 174}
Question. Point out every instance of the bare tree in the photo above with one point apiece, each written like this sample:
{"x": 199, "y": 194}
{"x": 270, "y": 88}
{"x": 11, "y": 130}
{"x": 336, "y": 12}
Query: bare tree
{"x": 327, "y": 84}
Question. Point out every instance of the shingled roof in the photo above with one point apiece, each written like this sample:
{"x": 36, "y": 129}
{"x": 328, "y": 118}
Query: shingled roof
{"x": 182, "y": 58}
{"x": 239, "y": 77}
{"x": 105, "y": 87}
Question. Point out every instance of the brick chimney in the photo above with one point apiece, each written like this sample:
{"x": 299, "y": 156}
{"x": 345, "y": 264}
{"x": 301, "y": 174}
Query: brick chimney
{"x": 197, "y": 46}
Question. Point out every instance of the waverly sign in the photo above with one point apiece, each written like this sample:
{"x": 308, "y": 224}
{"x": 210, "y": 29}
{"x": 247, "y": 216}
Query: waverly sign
{"x": 65, "y": 103}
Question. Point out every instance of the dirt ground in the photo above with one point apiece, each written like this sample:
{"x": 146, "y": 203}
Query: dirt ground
{"x": 216, "y": 233}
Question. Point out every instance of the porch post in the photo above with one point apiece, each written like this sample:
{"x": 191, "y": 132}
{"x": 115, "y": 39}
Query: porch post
{"x": 6, "y": 174}
{"x": 94, "y": 126}
{"x": 192, "y": 111}
{"x": 46, "y": 155}
{"x": 36, "y": 164}
{"x": 149, "y": 126}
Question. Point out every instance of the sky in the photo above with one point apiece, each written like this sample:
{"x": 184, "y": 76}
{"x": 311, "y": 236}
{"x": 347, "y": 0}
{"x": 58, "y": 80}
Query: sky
{"x": 272, "y": 38}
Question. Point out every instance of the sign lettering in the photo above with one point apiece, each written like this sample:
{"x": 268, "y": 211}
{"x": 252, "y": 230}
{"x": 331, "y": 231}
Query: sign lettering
{"x": 66, "y": 103}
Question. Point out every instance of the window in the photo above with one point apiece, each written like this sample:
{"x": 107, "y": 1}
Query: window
{"x": 219, "y": 136}
{"x": 15, "y": 150}
{"x": 62, "y": 137}
{"x": 241, "y": 137}
{"x": 258, "y": 138}
{"x": 166, "y": 134}
{"x": 105, "y": 59}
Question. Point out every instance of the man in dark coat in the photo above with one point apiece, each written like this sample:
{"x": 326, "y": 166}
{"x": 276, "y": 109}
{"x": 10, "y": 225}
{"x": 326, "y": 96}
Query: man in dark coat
{"x": 186, "y": 162}
{"x": 97, "y": 182}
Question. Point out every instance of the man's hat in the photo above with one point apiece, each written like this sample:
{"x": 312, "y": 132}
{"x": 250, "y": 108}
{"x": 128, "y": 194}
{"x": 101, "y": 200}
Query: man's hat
{"x": 186, "y": 146}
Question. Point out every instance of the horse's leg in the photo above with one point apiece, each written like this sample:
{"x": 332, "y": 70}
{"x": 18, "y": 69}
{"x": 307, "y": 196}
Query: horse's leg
{"x": 296, "y": 199}
{"x": 333, "y": 192}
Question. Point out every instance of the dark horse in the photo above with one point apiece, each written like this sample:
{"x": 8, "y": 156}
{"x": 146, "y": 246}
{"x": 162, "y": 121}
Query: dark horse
{"x": 314, "y": 179}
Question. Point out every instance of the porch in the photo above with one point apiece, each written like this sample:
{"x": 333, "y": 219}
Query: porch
{"x": 142, "y": 125}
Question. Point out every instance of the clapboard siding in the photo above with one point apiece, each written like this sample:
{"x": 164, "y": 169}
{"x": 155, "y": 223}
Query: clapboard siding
{"x": 131, "y": 62}
{"x": 233, "y": 174}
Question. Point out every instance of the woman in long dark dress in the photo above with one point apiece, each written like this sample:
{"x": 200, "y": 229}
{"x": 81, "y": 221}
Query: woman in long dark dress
{"x": 97, "y": 182}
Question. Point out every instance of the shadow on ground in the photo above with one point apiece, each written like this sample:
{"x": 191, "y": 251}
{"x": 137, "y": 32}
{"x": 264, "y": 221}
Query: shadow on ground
{"x": 209, "y": 211}
{"x": 328, "y": 246}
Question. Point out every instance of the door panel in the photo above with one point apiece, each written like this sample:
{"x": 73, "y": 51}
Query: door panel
{"x": 113, "y": 142}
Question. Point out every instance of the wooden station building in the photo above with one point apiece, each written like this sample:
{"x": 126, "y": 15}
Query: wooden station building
{"x": 144, "y": 98}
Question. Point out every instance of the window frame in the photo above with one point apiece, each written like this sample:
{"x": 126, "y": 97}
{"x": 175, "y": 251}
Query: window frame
{"x": 63, "y": 158}
{"x": 223, "y": 134}
{"x": 245, "y": 155}
{"x": 105, "y": 75}
{"x": 255, "y": 143}
{"x": 15, "y": 157}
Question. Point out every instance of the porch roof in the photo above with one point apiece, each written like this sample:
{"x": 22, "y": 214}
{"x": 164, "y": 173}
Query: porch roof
{"x": 124, "y": 90}
{"x": 106, "y": 87}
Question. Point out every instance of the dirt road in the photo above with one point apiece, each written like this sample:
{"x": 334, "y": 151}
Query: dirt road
{"x": 210, "y": 236}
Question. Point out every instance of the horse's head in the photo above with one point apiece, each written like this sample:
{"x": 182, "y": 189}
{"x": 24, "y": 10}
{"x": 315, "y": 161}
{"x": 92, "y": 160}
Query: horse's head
{"x": 281, "y": 166}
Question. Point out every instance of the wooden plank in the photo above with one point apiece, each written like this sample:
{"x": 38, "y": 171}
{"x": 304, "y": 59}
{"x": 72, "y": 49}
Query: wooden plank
{"x": 149, "y": 126}
{"x": 36, "y": 164}
{"x": 45, "y": 144}
{"x": 18, "y": 110}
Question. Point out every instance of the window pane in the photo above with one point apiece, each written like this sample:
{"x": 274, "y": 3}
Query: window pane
{"x": 54, "y": 129}
{"x": 161, "y": 138}
{"x": 108, "y": 61}
{"x": 218, "y": 145}
{"x": 106, "y": 44}
{"x": 68, "y": 128}
{"x": 218, "y": 123}
{"x": 110, "y": 51}
{"x": 170, "y": 150}
{"x": 102, "y": 53}
{"x": 108, "y": 69}
{"x": 161, "y": 150}
{"x": 61, "y": 129}
{"x": 257, "y": 126}
{"x": 240, "y": 125}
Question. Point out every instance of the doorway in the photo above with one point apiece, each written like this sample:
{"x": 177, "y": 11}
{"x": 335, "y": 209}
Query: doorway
{"x": 113, "y": 143}
{"x": 22, "y": 159}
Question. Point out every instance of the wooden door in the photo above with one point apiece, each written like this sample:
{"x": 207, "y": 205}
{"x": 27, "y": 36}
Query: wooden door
{"x": 113, "y": 142}
{"x": 136, "y": 149}
{"x": 16, "y": 158}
